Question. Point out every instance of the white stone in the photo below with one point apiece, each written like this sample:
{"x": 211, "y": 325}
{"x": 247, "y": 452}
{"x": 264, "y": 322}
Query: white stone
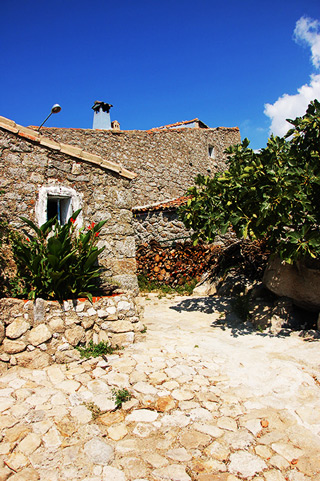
{"x": 177, "y": 419}
{"x": 17, "y": 328}
{"x": 98, "y": 387}
{"x": 98, "y": 451}
{"x": 52, "y": 439}
{"x": 55, "y": 374}
{"x": 39, "y": 334}
{"x": 239, "y": 439}
{"x": 29, "y": 444}
{"x": 117, "y": 431}
{"x": 142, "y": 415}
{"x": 143, "y": 430}
{"x": 287, "y": 451}
{"x": 112, "y": 474}
{"x": 13, "y": 347}
{"x": 144, "y": 388}
{"x": 213, "y": 431}
{"x": 253, "y": 425}
{"x": 124, "y": 306}
{"x": 75, "y": 335}
{"x": 111, "y": 310}
{"x": 157, "y": 377}
{"x": 227, "y": 423}
{"x": 178, "y": 454}
{"x": 103, "y": 403}
{"x": 120, "y": 326}
{"x": 6, "y": 403}
{"x": 64, "y": 347}
{"x": 118, "y": 379}
{"x": 173, "y": 472}
{"x": 82, "y": 414}
{"x": 217, "y": 451}
{"x": 173, "y": 372}
{"x": 246, "y": 464}
{"x": 91, "y": 312}
{"x": 274, "y": 475}
{"x": 68, "y": 386}
{"x": 201, "y": 414}
{"x": 182, "y": 395}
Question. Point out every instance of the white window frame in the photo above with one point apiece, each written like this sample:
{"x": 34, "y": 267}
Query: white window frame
{"x": 58, "y": 192}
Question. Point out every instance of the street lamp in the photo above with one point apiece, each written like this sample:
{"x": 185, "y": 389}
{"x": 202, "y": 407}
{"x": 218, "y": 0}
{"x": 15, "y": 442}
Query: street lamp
{"x": 55, "y": 110}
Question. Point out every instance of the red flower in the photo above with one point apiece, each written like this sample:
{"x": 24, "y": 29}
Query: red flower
{"x": 96, "y": 234}
{"x": 91, "y": 226}
{"x": 28, "y": 239}
{"x": 72, "y": 220}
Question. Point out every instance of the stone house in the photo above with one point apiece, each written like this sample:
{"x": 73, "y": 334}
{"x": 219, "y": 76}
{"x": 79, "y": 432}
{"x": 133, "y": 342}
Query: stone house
{"x": 40, "y": 178}
{"x": 166, "y": 159}
{"x": 62, "y": 169}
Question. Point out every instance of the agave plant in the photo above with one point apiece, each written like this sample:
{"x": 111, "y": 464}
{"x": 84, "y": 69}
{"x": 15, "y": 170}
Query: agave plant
{"x": 56, "y": 261}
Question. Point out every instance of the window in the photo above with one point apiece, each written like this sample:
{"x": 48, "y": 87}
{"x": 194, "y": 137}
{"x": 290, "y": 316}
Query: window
{"x": 211, "y": 151}
{"x": 60, "y": 201}
{"x": 59, "y": 207}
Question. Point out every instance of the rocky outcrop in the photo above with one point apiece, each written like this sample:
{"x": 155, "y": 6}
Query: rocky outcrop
{"x": 300, "y": 283}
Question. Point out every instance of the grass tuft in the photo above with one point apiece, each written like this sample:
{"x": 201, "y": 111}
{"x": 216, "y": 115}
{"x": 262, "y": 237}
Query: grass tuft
{"x": 96, "y": 350}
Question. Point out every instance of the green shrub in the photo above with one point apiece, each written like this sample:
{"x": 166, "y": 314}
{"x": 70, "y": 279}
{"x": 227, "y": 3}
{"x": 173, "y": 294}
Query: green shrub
{"x": 57, "y": 262}
{"x": 270, "y": 195}
{"x": 96, "y": 350}
{"x": 121, "y": 396}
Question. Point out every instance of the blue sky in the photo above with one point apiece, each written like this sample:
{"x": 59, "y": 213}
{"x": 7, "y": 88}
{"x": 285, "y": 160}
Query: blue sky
{"x": 160, "y": 62}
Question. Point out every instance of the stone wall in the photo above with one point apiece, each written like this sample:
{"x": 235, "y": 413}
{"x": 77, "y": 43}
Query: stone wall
{"x": 158, "y": 225}
{"x": 27, "y": 167}
{"x": 42, "y": 332}
{"x": 166, "y": 161}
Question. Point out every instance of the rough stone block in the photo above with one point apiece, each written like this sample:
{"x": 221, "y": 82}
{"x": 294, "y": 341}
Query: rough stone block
{"x": 17, "y": 328}
{"x": 75, "y": 335}
{"x": 33, "y": 359}
{"x": 12, "y": 347}
{"x": 39, "y": 334}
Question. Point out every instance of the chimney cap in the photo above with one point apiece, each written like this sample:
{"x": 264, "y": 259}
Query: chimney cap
{"x": 101, "y": 105}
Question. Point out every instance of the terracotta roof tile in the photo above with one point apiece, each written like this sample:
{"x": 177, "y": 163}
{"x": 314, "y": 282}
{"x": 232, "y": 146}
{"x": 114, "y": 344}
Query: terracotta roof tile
{"x": 37, "y": 137}
{"x": 178, "y": 124}
{"x": 166, "y": 205}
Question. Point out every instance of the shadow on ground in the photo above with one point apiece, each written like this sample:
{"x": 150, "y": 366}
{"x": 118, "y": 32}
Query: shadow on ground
{"x": 229, "y": 320}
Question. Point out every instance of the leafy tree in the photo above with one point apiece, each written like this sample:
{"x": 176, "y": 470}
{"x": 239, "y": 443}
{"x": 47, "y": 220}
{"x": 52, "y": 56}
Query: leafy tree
{"x": 273, "y": 194}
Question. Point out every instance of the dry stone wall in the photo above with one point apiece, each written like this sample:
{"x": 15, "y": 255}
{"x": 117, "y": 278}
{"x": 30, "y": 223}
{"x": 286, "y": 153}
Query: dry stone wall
{"x": 166, "y": 161}
{"x": 42, "y": 332}
{"x": 161, "y": 226}
{"x": 26, "y": 167}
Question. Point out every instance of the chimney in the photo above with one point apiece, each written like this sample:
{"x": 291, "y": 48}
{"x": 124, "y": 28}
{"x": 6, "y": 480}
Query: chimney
{"x": 101, "y": 116}
{"x": 115, "y": 125}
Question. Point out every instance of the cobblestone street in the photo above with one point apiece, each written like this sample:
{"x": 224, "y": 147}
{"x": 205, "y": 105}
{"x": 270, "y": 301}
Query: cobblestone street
{"x": 212, "y": 400}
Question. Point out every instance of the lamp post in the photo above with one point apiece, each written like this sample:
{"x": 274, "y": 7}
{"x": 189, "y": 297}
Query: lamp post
{"x": 55, "y": 110}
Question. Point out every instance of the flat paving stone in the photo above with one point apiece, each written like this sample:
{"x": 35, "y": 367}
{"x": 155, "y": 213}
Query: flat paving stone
{"x": 240, "y": 405}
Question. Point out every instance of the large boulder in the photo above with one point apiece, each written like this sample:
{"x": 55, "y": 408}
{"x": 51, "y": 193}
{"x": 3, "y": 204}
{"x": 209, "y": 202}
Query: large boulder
{"x": 300, "y": 283}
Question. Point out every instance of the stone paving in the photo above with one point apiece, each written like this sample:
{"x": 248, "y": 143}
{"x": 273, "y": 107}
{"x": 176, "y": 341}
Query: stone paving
{"x": 212, "y": 400}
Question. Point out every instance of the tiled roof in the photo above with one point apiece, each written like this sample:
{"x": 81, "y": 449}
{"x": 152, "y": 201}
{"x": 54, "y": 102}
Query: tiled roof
{"x": 179, "y": 124}
{"x": 34, "y": 136}
{"x": 167, "y": 205}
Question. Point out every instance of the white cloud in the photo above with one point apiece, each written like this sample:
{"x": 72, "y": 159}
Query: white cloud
{"x": 291, "y": 106}
{"x": 306, "y": 31}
